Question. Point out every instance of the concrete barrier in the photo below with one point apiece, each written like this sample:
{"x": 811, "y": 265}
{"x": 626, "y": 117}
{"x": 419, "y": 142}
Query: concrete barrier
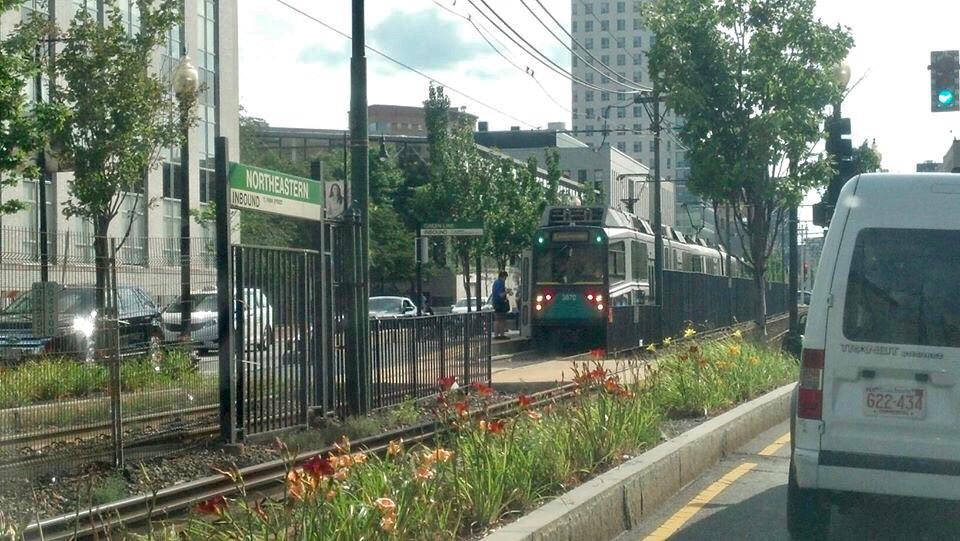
{"x": 616, "y": 501}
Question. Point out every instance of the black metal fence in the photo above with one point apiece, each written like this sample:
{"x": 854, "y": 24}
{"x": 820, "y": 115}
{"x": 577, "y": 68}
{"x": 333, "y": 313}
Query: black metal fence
{"x": 90, "y": 369}
{"x": 411, "y": 354}
{"x": 691, "y": 299}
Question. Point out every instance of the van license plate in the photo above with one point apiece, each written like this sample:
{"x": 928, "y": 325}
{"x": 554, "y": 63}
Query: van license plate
{"x": 894, "y": 402}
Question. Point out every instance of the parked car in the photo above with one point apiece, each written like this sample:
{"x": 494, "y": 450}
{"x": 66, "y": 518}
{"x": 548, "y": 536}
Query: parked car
{"x": 391, "y": 307}
{"x": 138, "y": 316}
{"x": 803, "y": 297}
{"x": 258, "y": 320}
{"x": 460, "y": 307}
{"x": 876, "y": 410}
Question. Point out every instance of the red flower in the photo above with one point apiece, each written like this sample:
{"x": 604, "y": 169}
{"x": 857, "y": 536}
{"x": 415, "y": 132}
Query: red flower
{"x": 495, "y": 427}
{"x": 524, "y": 401}
{"x": 214, "y": 506}
{"x": 612, "y": 386}
{"x": 598, "y": 373}
{"x": 462, "y": 408}
{"x": 446, "y": 383}
{"x": 598, "y": 353}
{"x": 319, "y": 466}
{"x": 482, "y": 390}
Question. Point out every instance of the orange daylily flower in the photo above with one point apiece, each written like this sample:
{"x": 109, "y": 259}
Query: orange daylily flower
{"x": 214, "y": 506}
{"x": 395, "y": 447}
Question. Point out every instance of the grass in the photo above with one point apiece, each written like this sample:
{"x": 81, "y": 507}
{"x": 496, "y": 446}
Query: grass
{"x": 55, "y": 378}
{"x": 109, "y": 489}
{"x": 405, "y": 414}
{"x": 486, "y": 470}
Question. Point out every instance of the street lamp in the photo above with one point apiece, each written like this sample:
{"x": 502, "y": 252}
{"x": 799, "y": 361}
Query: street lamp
{"x": 383, "y": 149}
{"x": 186, "y": 82}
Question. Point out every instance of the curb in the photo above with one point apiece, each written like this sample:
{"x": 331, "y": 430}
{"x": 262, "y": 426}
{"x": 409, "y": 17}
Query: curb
{"x": 608, "y": 505}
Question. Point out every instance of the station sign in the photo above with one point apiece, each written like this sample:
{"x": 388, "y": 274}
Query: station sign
{"x": 452, "y": 230}
{"x": 46, "y": 308}
{"x": 274, "y": 192}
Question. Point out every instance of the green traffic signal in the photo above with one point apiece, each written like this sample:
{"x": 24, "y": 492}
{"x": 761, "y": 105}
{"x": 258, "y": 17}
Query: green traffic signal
{"x": 946, "y": 97}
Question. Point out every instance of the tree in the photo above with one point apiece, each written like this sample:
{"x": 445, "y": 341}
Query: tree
{"x": 23, "y": 126}
{"x": 751, "y": 79}
{"x": 866, "y": 159}
{"x": 120, "y": 113}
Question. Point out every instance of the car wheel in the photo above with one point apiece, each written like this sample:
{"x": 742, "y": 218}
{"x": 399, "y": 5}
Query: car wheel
{"x": 808, "y": 511}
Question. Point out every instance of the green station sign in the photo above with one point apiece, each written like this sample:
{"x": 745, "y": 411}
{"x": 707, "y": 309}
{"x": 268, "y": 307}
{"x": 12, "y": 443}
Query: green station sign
{"x": 274, "y": 192}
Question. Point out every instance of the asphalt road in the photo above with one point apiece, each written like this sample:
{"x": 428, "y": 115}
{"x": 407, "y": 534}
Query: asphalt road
{"x": 744, "y": 498}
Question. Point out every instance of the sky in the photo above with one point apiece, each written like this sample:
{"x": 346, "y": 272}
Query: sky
{"x": 294, "y": 72}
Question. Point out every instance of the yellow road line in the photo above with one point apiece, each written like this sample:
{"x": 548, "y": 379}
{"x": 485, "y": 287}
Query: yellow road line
{"x": 772, "y": 449}
{"x": 681, "y": 517}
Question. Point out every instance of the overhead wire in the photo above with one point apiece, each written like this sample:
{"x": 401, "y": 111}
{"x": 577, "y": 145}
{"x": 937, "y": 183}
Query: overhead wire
{"x": 403, "y": 64}
{"x": 611, "y": 73}
{"x": 528, "y": 71}
{"x": 530, "y": 49}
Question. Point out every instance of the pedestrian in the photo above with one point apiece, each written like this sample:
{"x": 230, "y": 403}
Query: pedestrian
{"x": 501, "y": 306}
{"x": 426, "y": 308}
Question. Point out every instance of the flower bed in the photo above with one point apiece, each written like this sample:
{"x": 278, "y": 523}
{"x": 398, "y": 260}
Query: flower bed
{"x": 486, "y": 470}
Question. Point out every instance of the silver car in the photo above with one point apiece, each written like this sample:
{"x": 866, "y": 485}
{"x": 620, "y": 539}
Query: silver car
{"x": 258, "y": 320}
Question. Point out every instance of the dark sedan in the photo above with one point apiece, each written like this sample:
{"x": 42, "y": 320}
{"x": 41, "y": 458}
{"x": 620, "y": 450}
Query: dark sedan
{"x": 137, "y": 313}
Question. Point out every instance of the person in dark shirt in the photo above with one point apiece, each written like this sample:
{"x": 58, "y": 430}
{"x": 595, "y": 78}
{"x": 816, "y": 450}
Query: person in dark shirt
{"x": 501, "y": 305}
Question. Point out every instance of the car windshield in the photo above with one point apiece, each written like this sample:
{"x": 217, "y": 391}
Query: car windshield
{"x": 571, "y": 263}
{"x": 385, "y": 304}
{"x": 71, "y": 301}
{"x": 202, "y": 302}
{"x": 903, "y": 288}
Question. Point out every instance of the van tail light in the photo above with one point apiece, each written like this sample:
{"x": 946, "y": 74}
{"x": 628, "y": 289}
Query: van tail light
{"x": 810, "y": 397}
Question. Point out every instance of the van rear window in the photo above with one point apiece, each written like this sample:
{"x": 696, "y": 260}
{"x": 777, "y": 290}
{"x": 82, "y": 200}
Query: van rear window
{"x": 904, "y": 288}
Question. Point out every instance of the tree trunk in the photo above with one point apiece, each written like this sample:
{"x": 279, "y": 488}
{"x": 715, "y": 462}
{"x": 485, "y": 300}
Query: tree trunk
{"x": 465, "y": 264}
{"x": 760, "y": 281}
{"x": 102, "y": 258}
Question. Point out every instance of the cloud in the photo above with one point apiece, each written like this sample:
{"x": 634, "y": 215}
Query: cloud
{"x": 424, "y": 40}
{"x": 321, "y": 54}
{"x": 484, "y": 74}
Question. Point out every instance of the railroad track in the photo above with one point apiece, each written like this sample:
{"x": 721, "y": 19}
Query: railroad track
{"x": 266, "y": 478}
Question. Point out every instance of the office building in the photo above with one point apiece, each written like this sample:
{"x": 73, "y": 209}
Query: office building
{"x": 162, "y": 217}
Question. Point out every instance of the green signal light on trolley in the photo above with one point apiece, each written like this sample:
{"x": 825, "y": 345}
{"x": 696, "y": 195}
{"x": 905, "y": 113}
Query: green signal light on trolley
{"x": 541, "y": 240}
{"x": 946, "y": 97}
{"x": 599, "y": 238}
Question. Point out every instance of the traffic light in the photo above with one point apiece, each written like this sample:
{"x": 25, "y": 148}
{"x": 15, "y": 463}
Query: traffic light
{"x": 841, "y": 155}
{"x": 944, "y": 81}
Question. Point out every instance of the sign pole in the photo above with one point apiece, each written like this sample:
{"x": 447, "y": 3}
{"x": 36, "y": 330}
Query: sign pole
{"x": 420, "y": 256}
{"x": 227, "y": 377}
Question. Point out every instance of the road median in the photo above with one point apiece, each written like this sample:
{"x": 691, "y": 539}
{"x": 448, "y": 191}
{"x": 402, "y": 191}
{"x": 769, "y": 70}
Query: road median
{"x": 617, "y": 500}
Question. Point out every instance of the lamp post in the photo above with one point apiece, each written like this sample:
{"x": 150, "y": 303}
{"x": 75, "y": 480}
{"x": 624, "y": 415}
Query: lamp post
{"x": 186, "y": 82}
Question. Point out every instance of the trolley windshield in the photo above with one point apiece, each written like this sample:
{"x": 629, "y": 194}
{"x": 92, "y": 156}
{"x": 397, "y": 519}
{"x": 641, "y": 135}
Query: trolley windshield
{"x": 571, "y": 263}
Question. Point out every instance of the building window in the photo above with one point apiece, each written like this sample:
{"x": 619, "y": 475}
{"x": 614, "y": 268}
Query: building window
{"x": 621, "y": 42}
{"x": 622, "y": 147}
{"x": 621, "y": 59}
{"x": 605, "y": 26}
{"x": 604, "y": 8}
{"x": 588, "y": 8}
{"x": 637, "y": 147}
{"x": 588, "y": 96}
{"x": 669, "y": 145}
{"x": 574, "y": 97}
{"x": 605, "y": 79}
{"x": 638, "y": 41}
{"x": 621, "y": 25}
{"x": 582, "y": 175}
{"x": 637, "y": 112}
{"x": 637, "y": 24}
{"x": 573, "y": 25}
{"x": 637, "y": 76}
{"x": 604, "y": 43}
{"x": 668, "y": 163}
{"x": 621, "y": 97}
{"x": 621, "y": 113}
{"x": 605, "y": 59}
{"x": 588, "y": 43}
{"x": 589, "y": 128}
{"x": 598, "y": 175}
{"x": 621, "y": 7}
{"x": 575, "y": 63}
{"x": 587, "y": 26}
{"x": 604, "y": 96}
{"x": 637, "y": 128}
{"x": 651, "y": 146}
{"x": 589, "y": 77}
{"x": 589, "y": 112}
{"x": 574, "y": 8}
{"x": 636, "y": 7}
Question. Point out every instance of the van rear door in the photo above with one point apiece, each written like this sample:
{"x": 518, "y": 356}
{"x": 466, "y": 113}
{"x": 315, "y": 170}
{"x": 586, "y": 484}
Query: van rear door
{"x": 892, "y": 359}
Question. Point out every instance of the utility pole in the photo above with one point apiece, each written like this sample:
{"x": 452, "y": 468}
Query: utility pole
{"x": 358, "y": 324}
{"x": 655, "y": 123}
{"x": 42, "y": 188}
{"x": 794, "y": 272}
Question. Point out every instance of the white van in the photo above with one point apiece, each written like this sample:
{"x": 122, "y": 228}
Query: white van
{"x": 877, "y": 409}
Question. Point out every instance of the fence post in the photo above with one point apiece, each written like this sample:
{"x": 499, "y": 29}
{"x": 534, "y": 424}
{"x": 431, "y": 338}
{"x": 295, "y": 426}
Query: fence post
{"x": 225, "y": 306}
{"x": 304, "y": 346}
{"x": 412, "y": 350}
{"x": 489, "y": 340}
{"x": 466, "y": 347}
{"x": 112, "y": 342}
{"x": 443, "y": 347}
{"x": 240, "y": 345}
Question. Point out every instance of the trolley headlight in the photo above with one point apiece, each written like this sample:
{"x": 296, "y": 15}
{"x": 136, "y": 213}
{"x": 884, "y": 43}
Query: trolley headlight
{"x": 599, "y": 298}
{"x": 539, "y": 298}
{"x": 600, "y": 307}
{"x": 538, "y": 307}
{"x": 549, "y": 297}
